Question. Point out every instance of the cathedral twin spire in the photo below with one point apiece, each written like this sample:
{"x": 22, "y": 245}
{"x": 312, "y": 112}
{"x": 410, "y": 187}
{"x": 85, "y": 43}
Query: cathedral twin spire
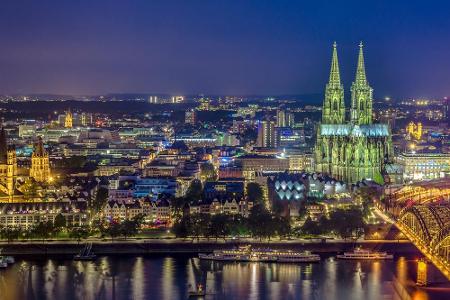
{"x": 361, "y": 94}
{"x": 333, "y": 111}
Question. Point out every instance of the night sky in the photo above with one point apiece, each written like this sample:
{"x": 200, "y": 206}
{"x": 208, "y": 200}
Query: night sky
{"x": 222, "y": 47}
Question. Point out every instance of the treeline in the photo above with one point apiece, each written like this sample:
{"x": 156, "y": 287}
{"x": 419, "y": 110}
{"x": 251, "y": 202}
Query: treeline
{"x": 263, "y": 224}
{"x": 259, "y": 224}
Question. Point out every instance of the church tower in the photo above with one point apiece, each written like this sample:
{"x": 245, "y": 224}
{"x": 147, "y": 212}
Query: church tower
{"x": 361, "y": 108}
{"x": 333, "y": 111}
{"x": 8, "y": 167}
{"x": 40, "y": 165}
{"x": 68, "y": 120}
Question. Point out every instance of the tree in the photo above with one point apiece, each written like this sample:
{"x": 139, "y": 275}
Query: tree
{"x": 255, "y": 193}
{"x": 59, "y": 223}
{"x": 208, "y": 172}
{"x": 195, "y": 191}
{"x": 79, "y": 233}
{"x": 10, "y": 233}
{"x": 347, "y": 223}
{"x": 129, "y": 228}
{"x": 310, "y": 227}
{"x": 239, "y": 226}
{"x": 100, "y": 199}
{"x": 43, "y": 230}
{"x": 181, "y": 227}
{"x": 114, "y": 230}
{"x": 200, "y": 224}
{"x": 220, "y": 226}
{"x": 283, "y": 226}
{"x": 261, "y": 222}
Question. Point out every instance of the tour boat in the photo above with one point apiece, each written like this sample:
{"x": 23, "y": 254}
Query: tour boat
{"x": 364, "y": 254}
{"x": 246, "y": 253}
{"x": 86, "y": 253}
{"x": 6, "y": 259}
{"x": 3, "y": 263}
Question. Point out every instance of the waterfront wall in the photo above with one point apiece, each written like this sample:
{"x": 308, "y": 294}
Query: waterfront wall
{"x": 134, "y": 247}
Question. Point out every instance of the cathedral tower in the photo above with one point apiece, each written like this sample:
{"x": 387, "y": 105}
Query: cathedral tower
{"x": 40, "y": 165}
{"x": 361, "y": 108}
{"x": 333, "y": 111}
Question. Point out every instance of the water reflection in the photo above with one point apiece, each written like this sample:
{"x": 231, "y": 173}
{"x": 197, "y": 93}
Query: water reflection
{"x": 168, "y": 277}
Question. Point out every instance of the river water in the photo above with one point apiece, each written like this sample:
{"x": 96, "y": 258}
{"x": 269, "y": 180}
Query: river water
{"x": 169, "y": 277}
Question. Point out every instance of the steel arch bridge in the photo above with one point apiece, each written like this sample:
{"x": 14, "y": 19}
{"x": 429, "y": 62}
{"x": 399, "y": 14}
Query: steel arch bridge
{"x": 428, "y": 227}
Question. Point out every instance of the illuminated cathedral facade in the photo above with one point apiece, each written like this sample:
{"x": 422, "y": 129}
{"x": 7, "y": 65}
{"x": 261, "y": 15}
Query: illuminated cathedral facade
{"x": 354, "y": 149}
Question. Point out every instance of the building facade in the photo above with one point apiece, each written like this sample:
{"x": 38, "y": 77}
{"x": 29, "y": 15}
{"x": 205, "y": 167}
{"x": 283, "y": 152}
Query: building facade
{"x": 356, "y": 149}
{"x": 40, "y": 164}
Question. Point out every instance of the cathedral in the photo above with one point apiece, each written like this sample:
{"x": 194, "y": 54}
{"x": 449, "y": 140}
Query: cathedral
{"x": 354, "y": 149}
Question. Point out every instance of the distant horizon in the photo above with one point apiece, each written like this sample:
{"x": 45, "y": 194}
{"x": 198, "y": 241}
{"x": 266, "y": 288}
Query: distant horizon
{"x": 317, "y": 96}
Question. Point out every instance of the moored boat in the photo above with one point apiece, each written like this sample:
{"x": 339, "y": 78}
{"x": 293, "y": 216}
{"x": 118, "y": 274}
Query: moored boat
{"x": 246, "y": 253}
{"x": 364, "y": 254}
{"x": 86, "y": 253}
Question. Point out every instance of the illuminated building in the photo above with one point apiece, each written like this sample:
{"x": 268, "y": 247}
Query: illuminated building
{"x": 285, "y": 118}
{"x": 190, "y": 117}
{"x": 252, "y": 164}
{"x": 266, "y": 135}
{"x": 414, "y": 131}
{"x": 68, "y": 120}
{"x": 153, "y": 99}
{"x": 8, "y": 168}
{"x": 355, "y": 150}
{"x": 420, "y": 166}
{"x": 204, "y": 104}
{"x": 40, "y": 165}
{"x": 177, "y": 99}
{"x": 27, "y": 215}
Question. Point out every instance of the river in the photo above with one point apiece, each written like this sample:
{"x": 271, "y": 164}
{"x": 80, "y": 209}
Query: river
{"x": 168, "y": 277}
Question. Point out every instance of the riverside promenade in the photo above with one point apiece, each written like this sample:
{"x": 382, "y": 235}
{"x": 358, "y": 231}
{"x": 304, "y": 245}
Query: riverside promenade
{"x": 172, "y": 246}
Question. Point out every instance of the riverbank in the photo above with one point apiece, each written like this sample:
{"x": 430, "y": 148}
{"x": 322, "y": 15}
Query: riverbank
{"x": 165, "y": 246}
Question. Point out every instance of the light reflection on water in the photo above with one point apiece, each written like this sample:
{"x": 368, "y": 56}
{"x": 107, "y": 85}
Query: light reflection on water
{"x": 168, "y": 277}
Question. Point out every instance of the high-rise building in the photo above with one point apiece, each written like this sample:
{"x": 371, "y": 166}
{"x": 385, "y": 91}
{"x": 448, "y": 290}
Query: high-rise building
{"x": 177, "y": 99}
{"x": 40, "y": 164}
{"x": 285, "y": 118}
{"x": 266, "y": 135}
{"x": 153, "y": 99}
{"x": 8, "y": 168}
{"x": 355, "y": 150}
{"x": 190, "y": 117}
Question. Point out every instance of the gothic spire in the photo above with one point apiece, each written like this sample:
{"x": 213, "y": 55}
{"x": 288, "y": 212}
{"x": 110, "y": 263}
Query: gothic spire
{"x": 335, "y": 77}
{"x": 361, "y": 93}
{"x": 333, "y": 111}
{"x": 361, "y": 70}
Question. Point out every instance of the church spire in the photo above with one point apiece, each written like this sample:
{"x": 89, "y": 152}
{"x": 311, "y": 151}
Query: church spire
{"x": 333, "y": 111}
{"x": 362, "y": 98}
{"x": 361, "y": 70}
{"x": 335, "y": 77}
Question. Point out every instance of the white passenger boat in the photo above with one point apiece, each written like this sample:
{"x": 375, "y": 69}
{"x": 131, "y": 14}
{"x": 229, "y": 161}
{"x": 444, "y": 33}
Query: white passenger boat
{"x": 364, "y": 254}
{"x": 3, "y": 263}
{"x": 246, "y": 253}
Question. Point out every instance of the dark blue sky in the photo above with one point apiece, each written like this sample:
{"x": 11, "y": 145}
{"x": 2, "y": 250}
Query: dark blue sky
{"x": 221, "y": 47}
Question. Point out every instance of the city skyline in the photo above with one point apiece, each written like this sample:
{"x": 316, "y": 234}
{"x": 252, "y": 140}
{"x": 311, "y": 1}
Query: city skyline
{"x": 258, "y": 48}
